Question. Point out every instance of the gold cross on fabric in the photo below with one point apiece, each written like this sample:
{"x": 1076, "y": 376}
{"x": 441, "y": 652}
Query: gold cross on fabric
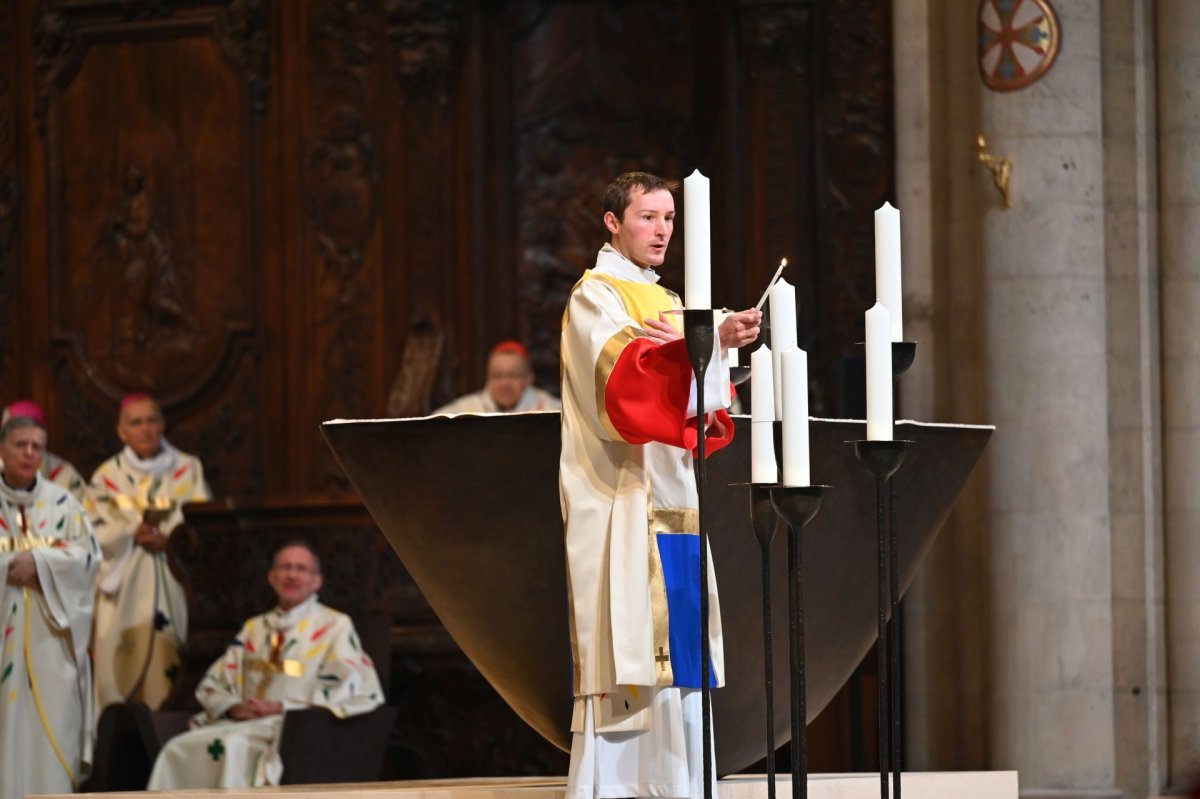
{"x": 662, "y": 659}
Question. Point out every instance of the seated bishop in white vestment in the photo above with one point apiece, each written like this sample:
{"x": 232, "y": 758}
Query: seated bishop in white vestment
{"x": 299, "y": 655}
{"x": 509, "y": 387}
{"x": 48, "y": 560}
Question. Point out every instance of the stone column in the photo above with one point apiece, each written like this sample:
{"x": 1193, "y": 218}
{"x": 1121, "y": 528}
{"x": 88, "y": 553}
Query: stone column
{"x": 1134, "y": 396}
{"x": 1047, "y": 562}
{"x": 1179, "y": 203}
{"x": 937, "y": 116}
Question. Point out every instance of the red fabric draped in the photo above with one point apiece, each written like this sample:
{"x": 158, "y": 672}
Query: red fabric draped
{"x": 646, "y": 398}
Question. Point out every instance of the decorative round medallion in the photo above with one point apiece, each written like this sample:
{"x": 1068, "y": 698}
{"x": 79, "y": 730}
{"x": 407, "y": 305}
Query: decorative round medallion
{"x": 1018, "y": 42}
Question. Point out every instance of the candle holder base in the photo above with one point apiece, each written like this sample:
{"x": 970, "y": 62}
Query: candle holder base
{"x": 881, "y": 458}
{"x": 699, "y": 331}
{"x": 903, "y": 354}
{"x": 797, "y": 505}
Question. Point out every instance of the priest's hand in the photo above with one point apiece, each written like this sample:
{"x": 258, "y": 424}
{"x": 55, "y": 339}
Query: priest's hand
{"x": 740, "y": 329}
{"x": 22, "y": 572}
{"x": 254, "y": 709}
{"x": 149, "y": 538}
{"x": 660, "y": 330}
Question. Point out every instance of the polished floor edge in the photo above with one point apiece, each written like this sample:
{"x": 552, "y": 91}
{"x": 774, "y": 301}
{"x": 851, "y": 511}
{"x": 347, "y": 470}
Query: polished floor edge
{"x": 917, "y": 785}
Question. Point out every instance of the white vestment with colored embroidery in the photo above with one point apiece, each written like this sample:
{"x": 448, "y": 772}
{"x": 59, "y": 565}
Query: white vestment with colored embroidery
{"x": 45, "y": 674}
{"x": 307, "y": 657}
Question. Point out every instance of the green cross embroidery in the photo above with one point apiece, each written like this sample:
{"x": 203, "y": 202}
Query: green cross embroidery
{"x": 216, "y": 749}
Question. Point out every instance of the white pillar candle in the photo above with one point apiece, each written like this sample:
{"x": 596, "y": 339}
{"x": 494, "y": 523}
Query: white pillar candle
{"x": 782, "y": 300}
{"x": 795, "y": 418}
{"x": 697, "y": 251}
{"x": 887, "y": 266}
{"x": 879, "y": 373}
{"x": 762, "y": 418}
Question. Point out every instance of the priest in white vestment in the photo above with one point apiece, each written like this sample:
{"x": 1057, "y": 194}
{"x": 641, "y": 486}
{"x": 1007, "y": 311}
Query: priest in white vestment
{"x": 509, "y": 387}
{"x": 54, "y": 468}
{"x": 48, "y": 560}
{"x": 630, "y": 509}
{"x": 299, "y": 655}
{"x": 136, "y": 500}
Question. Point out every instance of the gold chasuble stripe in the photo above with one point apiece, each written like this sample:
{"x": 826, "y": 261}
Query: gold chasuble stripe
{"x": 642, "y": 301}
{"x": 37, "y": 701}
{"x": 604, "y": 367}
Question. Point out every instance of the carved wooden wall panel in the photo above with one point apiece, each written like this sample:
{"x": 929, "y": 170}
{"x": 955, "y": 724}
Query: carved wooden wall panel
{"x": 149, "y": 116}
{"x": 12, "y": 319}
{"x": 245, "y": 206}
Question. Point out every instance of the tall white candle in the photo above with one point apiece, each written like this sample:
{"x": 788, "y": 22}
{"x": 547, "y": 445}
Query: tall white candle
{"x": 887, "y": 266}
{"x": 879, "y": 374}
{"x": 697, "y": 245}
{"x": 782, "y": 301}
{"x": 762, "y": 382}
{"x": 795, "y": 418}
{"x": 762, "y": 418}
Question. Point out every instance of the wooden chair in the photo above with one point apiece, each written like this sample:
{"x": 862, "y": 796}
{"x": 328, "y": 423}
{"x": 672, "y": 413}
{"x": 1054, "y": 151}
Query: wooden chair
{"x": 419, "y": 363}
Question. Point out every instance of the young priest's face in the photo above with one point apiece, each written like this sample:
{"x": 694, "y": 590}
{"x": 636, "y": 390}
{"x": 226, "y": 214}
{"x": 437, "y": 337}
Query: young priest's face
{"x": 643, "y": 233}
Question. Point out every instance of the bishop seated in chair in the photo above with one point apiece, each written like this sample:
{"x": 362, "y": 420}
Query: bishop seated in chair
{"x": 299, "y": 655}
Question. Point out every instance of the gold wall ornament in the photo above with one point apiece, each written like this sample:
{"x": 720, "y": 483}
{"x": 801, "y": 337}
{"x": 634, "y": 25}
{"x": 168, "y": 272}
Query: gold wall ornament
{"x": 1000, "y": 167}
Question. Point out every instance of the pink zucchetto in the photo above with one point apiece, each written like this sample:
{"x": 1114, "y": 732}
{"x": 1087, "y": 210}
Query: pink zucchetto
{"x": 26, "y": 408}
{"x": 129, "y": 399}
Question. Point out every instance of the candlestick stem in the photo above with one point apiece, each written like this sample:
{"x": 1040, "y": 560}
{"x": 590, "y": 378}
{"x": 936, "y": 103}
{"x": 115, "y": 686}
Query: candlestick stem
{"x": 699, "y": 332}
{"x": 796, "y": 506}
{"x": 882, "y": 459}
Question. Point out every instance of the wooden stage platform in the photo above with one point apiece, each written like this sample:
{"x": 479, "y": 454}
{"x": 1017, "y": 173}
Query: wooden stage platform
{"x": 917, "y": 785}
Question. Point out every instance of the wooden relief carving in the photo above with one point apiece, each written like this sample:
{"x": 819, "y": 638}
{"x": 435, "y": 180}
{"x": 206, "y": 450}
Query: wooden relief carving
{"x": 585, "y": 112}
{"x": 425, "y": 38}
{"x": 88, "y": 434}
{"x": 150, "y": 219}
{"x": 225, "y": 436}
{"x": 855, "y": 145}
{"x": 10, "y": 210}
{"x": 244, "y": 34}
{"x": 151, "y": 287}
{"x": 342, "y": 180}
{"x": 778, "y": 43}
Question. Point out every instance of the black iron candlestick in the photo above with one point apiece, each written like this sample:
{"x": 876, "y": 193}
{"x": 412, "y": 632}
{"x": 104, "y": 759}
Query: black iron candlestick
{"x": 765, "y": 520}
{"x": 903, "y": 354}
{"x": 796, "y": 506}
{"x": 699, "y": 331}
{"x": 882, "y": 459}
